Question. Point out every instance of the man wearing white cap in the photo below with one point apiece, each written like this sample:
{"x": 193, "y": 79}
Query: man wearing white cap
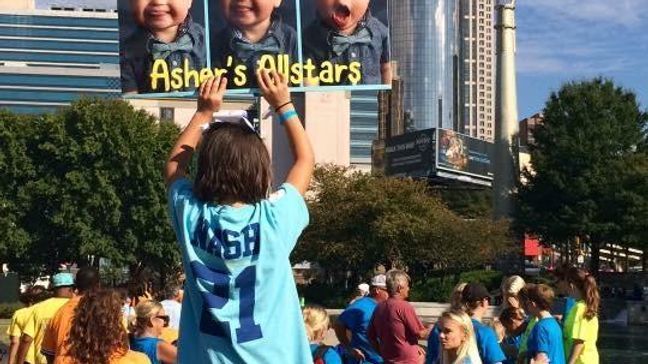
{"x": 363, "y": 290}
{"x": 351, "y": 326}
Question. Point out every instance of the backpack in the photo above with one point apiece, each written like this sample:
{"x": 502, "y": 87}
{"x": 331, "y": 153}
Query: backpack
{"x": 318, "y": 357}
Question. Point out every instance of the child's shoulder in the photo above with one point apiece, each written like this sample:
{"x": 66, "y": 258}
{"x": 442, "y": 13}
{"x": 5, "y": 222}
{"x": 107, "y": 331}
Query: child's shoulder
{"x": 194, "y": 28}
{"x": 376, "y": 26}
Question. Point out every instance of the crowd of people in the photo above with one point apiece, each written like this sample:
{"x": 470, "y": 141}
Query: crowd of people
{"x": 239, "y": 302}
{"x": 382, "y": 327}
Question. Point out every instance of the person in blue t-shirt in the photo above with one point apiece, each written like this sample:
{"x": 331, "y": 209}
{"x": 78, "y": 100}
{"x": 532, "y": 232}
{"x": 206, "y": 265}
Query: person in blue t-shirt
{"x": 240, "y": 303}
{"x": 545, "y": 342}
{"x": 476, "y": 299}
{"x": 355, "y": 320}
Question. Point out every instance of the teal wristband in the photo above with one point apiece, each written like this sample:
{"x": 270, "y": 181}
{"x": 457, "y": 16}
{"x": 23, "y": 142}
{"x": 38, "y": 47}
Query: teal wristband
{"x": 287, "y": 115}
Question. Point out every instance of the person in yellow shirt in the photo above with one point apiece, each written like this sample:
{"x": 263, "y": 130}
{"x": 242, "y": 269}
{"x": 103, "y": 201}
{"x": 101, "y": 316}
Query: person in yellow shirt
{"x": 581, "y": 324}
{"x": 55, "y": 345}
{"x": 41, "y": 314}
{"x": 97, "y": 334}
{"x": 19, "y": 319}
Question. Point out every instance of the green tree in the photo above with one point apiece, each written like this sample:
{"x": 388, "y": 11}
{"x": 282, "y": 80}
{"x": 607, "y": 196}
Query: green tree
{"x": 586, "y": 173}
{"x": 468, "y": 203}
{"x": 17, "y": 169}
{"x": 359, "y": 220}
{"x": 95, "y": 189}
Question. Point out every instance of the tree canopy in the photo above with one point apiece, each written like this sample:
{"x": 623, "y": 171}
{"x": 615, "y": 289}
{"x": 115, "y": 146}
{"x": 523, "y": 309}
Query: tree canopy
{"x": 85, "y": 182}
{"x": 359, "y": 220}
{"x": 589, "y": 176}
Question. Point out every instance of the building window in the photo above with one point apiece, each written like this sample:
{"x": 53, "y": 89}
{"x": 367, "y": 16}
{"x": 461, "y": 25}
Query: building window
{"x": 167, "y": 114}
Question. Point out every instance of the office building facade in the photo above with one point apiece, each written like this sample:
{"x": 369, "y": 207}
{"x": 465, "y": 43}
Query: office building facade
{"x": 477, "y": 76}
{"x": 424, "y": 48}
{"x": 444, "y": 54}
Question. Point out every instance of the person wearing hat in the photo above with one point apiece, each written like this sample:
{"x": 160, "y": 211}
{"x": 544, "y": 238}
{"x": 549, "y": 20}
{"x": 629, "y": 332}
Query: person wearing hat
{"x": 63, "y": 286}
{"x": 476, "y": 299}
{"x": 354, "y": 322}
{"x": 362, "y": 291}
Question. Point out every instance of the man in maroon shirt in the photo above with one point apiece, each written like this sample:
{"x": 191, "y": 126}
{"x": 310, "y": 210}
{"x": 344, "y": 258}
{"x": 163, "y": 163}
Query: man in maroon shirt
{"x": 395, "y": 329}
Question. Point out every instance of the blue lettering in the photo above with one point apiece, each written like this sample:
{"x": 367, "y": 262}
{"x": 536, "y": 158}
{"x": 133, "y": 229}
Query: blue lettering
{"x": 227, "y": 244}
{"x": 215, "y": 245}
{"x": 251, "y": 240}
{"x": 231, "y": 242}
{"x": 200, "y": 235}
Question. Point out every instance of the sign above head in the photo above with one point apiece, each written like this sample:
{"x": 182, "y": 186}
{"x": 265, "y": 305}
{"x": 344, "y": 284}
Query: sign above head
{"x": 169, "y": 49}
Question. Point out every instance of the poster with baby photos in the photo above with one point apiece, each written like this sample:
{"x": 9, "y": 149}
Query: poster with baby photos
{"x": 168, "y": 47}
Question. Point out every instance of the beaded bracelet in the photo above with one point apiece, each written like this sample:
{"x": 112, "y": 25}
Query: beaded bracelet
{"x": 287, "y": 115}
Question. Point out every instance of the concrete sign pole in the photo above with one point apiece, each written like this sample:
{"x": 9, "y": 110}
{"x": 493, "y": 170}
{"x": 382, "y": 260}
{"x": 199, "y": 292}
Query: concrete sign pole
{"x": 506, "y": 163}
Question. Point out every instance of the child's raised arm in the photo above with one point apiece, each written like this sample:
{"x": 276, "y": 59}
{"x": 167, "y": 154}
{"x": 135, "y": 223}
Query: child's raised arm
{"x": 274, "y": 87}
{"x": 210, "y": 99}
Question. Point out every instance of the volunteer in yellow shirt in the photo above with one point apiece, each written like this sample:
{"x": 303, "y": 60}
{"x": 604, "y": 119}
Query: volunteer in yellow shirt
{"x": 581, "y": 324}
{"x": 19, "y": 319}
{"x": 41, "y": 314}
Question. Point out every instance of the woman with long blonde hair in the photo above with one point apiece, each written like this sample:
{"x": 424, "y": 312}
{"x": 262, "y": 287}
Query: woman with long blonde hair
{"x": 433, "y": 340}
{"x": 458, "y": 343}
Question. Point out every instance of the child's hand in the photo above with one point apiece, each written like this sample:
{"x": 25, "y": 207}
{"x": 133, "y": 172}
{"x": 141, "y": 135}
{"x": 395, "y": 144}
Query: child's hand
{"x": 211, "y": 93}
{"x": 274, "y": 87}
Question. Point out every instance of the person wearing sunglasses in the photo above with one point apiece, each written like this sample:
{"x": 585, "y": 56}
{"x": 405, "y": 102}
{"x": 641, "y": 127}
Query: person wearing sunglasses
{"x": 150, "y": 321}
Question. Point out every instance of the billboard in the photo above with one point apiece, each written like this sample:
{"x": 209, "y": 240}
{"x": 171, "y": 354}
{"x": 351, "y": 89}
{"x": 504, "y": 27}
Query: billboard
{"x": 169, "y": 48}
{"x": 436, "y": 153}
{"x": 410, "y": 154}
{"x": 461, "y": 154}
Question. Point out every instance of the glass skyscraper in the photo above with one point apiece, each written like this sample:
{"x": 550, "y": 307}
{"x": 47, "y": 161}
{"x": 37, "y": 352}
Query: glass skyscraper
{"x": 425, "y": 46}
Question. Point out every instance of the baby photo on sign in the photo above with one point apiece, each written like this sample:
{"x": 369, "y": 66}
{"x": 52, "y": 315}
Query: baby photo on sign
{"x": 249, "y": 34}
{"x": 162, "y": 45}
{"x": 346, "y": 41}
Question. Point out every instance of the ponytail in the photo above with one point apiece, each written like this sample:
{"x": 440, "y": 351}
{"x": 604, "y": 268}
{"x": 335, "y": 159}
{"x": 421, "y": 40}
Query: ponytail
{"x": 592, "y": 297}
{"x": 586, "y": 285}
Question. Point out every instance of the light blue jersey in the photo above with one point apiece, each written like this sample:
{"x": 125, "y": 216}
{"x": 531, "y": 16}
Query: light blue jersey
{"x": 240, "y": 303}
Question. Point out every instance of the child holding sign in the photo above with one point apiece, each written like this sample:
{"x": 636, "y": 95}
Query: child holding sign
{"x": 240, "y": 303}
{"x": 166, "y": 39}
{"x": 253, "y": 29}
{"x": 345, "y": 33}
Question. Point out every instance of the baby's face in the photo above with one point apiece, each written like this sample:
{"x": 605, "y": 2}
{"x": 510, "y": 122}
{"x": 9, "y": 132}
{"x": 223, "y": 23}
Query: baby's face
{"x": 244, "y": 14}
{"x": 342, "y": 14}
{"x": 158, "y": 15}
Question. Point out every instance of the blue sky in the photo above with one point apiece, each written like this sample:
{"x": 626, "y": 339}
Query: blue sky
{"x": 564, "y": 40}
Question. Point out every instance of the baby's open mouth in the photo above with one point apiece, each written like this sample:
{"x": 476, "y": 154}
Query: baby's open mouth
{"x": 340, "y": 15}
{"x": 157, "y": 13}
